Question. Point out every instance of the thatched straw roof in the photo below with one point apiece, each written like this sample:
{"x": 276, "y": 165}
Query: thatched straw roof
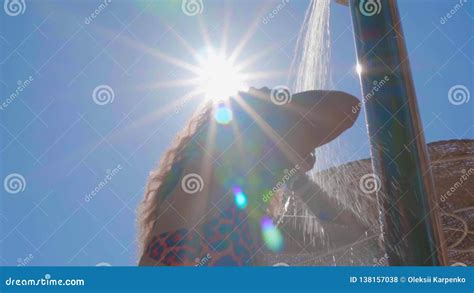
{"x": 452, "y": 165}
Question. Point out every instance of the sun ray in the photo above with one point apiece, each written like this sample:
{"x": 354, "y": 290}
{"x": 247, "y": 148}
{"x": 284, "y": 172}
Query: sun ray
{"x": 248, "y": 35}
{"x": 225, "y": 29}
{"x": 255, "y": 57}
{"x": 184, "y": 43}
{"x": 263, "y": 74}
{"x": 155, "y": 52}
{"x": 271, "y": 133}
{"x": 160, "y": 55}
{"x": 151, "y": 118}
{"x": 193, "y": 81}
{"x": 205, "y": 33}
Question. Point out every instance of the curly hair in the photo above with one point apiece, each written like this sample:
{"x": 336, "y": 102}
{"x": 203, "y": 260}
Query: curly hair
{"x": 164, "y": 178}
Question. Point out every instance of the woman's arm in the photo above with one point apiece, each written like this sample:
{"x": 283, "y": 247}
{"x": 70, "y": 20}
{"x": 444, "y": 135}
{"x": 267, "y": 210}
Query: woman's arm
{"x": 339, "y": 222}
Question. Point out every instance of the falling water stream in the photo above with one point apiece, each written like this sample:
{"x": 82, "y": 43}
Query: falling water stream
{"x": 312, "y": 53}
{"x": 310, "y": 71}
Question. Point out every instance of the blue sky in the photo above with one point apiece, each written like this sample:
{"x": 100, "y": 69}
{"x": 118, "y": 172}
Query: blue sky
{"x": 64, "y": 145}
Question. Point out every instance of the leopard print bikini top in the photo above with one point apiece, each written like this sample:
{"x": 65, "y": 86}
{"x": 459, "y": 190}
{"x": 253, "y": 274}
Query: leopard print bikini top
{"x": 224, "y": 240}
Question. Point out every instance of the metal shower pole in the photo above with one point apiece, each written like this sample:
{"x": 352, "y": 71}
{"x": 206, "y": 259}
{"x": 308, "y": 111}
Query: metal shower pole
{"x": 407, "y": 198}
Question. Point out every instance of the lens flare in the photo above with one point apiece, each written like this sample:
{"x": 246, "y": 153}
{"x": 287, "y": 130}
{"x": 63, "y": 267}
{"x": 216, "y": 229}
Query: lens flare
{"x": 223, "y": 114}
{"x": 240, "y": 198}
{"x": 272, "y": 237}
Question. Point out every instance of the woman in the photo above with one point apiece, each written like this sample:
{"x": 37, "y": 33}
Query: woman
{"x": 207, "y": 201}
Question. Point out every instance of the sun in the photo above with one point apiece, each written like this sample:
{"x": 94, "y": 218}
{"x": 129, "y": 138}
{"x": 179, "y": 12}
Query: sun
{"x": 218, "y": 77}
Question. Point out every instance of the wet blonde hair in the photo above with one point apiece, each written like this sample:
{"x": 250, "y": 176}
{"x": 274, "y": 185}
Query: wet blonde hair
{"x": 163, "y": 179}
